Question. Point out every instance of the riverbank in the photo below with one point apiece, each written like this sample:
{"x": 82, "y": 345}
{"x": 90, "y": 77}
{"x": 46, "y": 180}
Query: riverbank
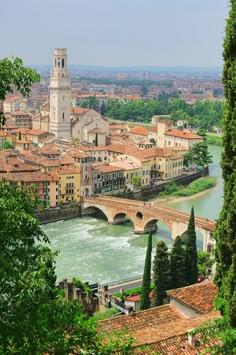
{"x": 195, "y": 189}
{"x": 173, "y": 199}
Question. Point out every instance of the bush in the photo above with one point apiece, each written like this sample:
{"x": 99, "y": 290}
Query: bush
{"x": 108, "y": 314}
{"x": 197, "y": 186}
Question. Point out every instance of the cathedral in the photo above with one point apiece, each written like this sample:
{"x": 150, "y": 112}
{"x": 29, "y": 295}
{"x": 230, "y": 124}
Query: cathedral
{"x": 58, "y": 117}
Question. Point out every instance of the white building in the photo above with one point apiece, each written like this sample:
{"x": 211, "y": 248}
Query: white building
{"x": 60, "y": 89}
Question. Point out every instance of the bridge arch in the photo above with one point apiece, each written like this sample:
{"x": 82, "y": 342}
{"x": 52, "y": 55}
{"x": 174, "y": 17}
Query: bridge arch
{"x": 151, "y": 225}
{"x": 122, "y": 217}
{"x": 89, "y": 210}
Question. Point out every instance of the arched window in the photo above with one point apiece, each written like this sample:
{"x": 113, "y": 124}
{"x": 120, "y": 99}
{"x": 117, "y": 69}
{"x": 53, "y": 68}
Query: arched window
{"x": 63, "y": 116}
{"x": 62, "y": 63}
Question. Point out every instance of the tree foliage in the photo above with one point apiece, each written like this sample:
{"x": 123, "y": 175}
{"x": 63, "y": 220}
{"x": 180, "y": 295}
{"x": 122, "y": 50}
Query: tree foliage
{"x": 204, "y": 115}
{"x": 204, "y": 262}
{"x": 177, "y": 264}
{"x": 14, "y": 75}
{"x": 198, "y": 155}
{"x": 161, "y": 272}
{"x": 35, "y": 316}
{"x": 146, "y": 284}
{"x": 225, "y": 233}
{"x": 191, "y": 252}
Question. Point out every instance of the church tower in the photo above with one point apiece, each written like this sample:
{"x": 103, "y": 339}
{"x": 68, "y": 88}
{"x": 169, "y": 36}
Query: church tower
{"x": 60, "y": 88}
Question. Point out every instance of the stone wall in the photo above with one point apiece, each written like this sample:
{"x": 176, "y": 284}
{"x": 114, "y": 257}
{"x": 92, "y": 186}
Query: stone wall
{"x": 58, "y": 213}
{"x": 88, "y": 301}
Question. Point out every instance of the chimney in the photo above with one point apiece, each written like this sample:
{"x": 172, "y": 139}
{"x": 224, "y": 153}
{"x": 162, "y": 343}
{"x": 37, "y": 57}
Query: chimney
{"x": 191, "y": 337}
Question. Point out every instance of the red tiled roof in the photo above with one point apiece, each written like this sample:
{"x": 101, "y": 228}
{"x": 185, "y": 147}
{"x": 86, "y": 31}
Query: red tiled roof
{"x": 32, "y": 176}
{"x": 45, "y": 107}
{"x": 139, "y": 130}
{"x": 136, "y": 298}
{"x": 69, "y": 170}
{"x": 97, "y": 130}
{"x": 79, "y": 110}
{"x": 199, "y": 297}
{"x": 36, "y": 132}
{"x": 104, "y": 169}
{"x": 20, "y": 113}
{"x": 153, "y": 129}
{"x": 152, "y": 317}
{"x": 182, "y": 134}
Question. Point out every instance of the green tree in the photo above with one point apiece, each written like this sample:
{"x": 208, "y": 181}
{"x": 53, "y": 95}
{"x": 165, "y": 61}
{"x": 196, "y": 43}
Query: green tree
{"x": 177, "y": 264}
{"x": 225, "y": 233}
{"x": 136, "y": 180}
{"x": 204, "y": 262}
{"x": 96, "y": 140}
{"x": 191, "y": 251}
{"x": 7, "y": 145}
{"x": 198, "y": 154}
{"x": 146, "y": 284}
{"x": 35, "y": 316}
{"x": 13, "y": 74}
{"x": 161, "y": 272}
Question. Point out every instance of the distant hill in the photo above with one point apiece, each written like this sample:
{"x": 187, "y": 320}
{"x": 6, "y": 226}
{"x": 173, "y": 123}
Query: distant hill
{"x": 94, "y": 68}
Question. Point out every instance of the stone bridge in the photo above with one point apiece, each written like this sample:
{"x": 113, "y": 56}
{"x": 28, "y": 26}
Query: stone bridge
{"x": 145, "y": 216}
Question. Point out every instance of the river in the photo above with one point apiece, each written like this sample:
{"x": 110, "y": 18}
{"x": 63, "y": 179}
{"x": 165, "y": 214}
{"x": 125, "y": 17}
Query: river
{"x": 94, "y": 251}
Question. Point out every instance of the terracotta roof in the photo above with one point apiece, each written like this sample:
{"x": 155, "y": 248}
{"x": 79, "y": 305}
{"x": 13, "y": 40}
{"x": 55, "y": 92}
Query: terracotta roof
{"x": 136, "y": 298}
{"x": 152, "y": 317}
{"x": 36, "y": 132}
{"x": 50, "y": 162}
{"x": 33, "y": 176}
{"x": 117, "y": 126}
{"x": 98, "y": 148}
{"x": 122, "y": 148}
{"x": 139, "y": 130}
{"x": 97, "y": 130}
{"x": 200, "y": 297}
{"x": 80, "y": 154}
{"x": 2, "y": 134}
{"x": 104, "y": 169}
{"x": 45, "y": 107}
{"x": 20, "y": 113}
{"x": 153, "y": 129}
{"x": 69, "y": 170}
{"x": 182, "y": 134}
{"x": 24, "y": 141}
{"x": 176, "y": 345}
{"x": 154, "y": 328}
{"x": 79, "y": 110}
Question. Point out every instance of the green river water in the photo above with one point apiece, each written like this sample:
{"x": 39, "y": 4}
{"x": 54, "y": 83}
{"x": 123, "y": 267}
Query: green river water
{"x": 94, "y": 251}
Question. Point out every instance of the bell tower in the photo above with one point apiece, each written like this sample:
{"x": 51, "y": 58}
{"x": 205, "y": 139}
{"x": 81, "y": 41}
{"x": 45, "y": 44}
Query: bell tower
{"x": 60, "y": 88}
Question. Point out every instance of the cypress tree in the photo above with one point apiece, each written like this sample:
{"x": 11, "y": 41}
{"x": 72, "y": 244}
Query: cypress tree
{"x": 191, "y": 275}
{"x": 96, "y": 140}
{"x": 145, "y": 300}
{"x": 177, "y": 264}
{"x": 161, "y": 272}
{"x": 225, "y": 233}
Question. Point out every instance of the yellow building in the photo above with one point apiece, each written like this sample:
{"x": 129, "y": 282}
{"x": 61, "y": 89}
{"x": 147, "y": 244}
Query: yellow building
{"x": 69, "y": 184}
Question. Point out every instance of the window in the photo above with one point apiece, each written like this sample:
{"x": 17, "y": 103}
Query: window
{"x": 63, "y": 116}
{"x": 62, "y": 62}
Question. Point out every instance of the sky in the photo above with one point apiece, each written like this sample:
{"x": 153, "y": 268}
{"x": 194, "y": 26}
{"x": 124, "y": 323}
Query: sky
{"x": 115, "y": 32}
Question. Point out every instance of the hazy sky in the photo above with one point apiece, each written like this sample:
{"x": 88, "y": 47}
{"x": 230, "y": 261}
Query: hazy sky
{"x": 115, "y": 32}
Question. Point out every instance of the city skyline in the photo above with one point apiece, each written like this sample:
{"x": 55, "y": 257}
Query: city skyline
{"x": 125, "y": 34}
